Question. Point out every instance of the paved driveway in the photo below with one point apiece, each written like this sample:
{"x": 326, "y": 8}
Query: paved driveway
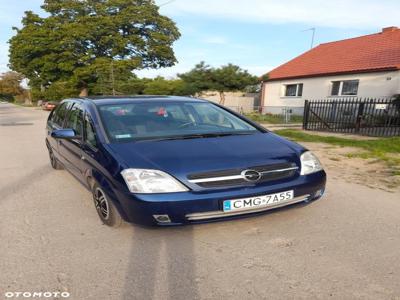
{"x": 346, "y": 246}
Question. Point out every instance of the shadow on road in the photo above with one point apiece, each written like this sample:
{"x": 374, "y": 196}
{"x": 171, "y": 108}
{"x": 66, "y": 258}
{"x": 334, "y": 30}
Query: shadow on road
{"x": 27, "y": 180}
{"x": 161, "y": 264}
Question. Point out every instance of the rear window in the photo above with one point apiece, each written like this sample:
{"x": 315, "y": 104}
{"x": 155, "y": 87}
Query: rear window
{"x": 136, "y": 121}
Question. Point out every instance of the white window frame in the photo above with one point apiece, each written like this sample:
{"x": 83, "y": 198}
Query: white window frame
{"x": 341, "y": 88}
{"x": 297, "y": 90}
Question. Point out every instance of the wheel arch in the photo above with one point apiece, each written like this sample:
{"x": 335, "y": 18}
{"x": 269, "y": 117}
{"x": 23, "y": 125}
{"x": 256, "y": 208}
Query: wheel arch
{"x": 95, "y": 177}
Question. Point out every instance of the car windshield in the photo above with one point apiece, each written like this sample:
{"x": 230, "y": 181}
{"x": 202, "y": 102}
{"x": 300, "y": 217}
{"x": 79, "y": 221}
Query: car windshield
{"x": 169, "y": 120}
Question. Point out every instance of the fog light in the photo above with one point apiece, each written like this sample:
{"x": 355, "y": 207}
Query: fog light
{"x": 319, "y": 193}
{"x": 162, "y": 218}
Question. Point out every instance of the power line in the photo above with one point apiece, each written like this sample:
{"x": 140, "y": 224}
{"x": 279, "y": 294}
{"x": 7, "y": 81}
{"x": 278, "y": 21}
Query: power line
{"x": 166, "y": 3}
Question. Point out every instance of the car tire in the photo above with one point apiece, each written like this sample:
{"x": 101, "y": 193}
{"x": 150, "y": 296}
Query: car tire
{"x": 105, "y": 208}
{"x": 55, "y": 164}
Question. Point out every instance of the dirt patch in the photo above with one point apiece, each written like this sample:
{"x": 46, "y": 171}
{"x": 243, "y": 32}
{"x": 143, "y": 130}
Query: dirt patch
{"x": 369, "y": 172}
{"x": 341, "y": 135}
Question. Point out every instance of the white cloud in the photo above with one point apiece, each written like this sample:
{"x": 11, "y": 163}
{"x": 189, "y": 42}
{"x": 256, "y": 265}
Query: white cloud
{"x": 362, "y": 14}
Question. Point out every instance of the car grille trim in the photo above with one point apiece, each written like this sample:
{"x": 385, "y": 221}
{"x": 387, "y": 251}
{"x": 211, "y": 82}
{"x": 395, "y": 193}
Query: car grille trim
{"x": 240, "y": 176}
{"x": 221, "y": 214}
{"x": 212, "y": 179}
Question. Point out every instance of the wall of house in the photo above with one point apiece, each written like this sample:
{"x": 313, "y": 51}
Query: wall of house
{"x": 378, "y": 84}
{"x": 237, "y": 101}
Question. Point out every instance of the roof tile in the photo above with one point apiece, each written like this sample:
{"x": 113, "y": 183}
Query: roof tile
{"x": 374, "y": 52}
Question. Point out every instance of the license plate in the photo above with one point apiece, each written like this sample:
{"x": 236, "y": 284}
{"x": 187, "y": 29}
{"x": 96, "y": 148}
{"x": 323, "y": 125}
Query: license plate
{"x": 257, "y": 202}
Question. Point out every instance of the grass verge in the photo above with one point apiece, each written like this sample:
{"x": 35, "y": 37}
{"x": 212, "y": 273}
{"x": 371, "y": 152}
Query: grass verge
{"x": 22, "y": 104}
{"x": 384, "y": 149}
{"x": 273, "y": 119}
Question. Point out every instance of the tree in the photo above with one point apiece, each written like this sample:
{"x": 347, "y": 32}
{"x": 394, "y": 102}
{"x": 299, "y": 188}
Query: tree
{"x": 264, "y": 77}
{"x": 231, "y": 78}
{"x": 81, "y": 40}
{"x": 10, "y": 85}
{"x": 162, "y": 86}
{"x": 56, "y": 91}
{"x": 227, "y": 78}
{"x": 115, "y": 80}
{"x": 200, "y": 78}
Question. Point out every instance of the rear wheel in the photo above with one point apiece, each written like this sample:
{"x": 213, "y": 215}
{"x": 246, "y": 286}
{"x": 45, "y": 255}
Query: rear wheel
{"x": 55, "y": 164}
{"x": 105, "y": 208}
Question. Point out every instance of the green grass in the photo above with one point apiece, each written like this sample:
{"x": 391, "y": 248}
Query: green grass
{"x": 388, "y": 145}
{"x": 272, "y": 119}
{"x": 384, "y": 149}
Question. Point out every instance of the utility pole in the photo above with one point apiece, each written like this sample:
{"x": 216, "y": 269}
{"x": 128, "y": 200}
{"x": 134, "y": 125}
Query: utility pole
{"x": 312, "y": 38}
{"x": 112, "y": 77}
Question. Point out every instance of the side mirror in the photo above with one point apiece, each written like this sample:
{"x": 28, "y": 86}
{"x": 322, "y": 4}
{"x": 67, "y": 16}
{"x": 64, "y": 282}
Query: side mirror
{"x": 65, "y": 134}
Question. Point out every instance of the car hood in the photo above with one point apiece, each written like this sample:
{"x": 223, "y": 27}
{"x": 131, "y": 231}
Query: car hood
{"x": 188, "y": 156}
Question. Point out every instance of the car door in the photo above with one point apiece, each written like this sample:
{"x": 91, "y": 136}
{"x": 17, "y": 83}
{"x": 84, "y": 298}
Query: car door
{"x": 56, "y": 121}
{"x": 90, "y": 152}
{"x": 70, "y": 150}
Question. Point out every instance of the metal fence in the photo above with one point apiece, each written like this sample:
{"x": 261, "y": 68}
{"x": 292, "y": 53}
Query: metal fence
{"x": 367, "y": 116}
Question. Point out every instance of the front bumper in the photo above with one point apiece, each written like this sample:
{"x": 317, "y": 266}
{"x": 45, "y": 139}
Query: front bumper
{"x": 211, "y": 215}
{"x": 197, "y": 207}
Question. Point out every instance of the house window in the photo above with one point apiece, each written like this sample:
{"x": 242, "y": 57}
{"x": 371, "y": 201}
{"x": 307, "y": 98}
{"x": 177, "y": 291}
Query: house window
{"x": 294, "y": 90}
{"x": 335, "y": 88}
{"x": 350, "y": 87}
{"x": 344, "y": 88}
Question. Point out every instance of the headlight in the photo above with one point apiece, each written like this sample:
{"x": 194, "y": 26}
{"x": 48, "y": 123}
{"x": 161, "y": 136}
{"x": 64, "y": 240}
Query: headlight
{"x": 151, "y": 181}
{"x": 309, "y": 163}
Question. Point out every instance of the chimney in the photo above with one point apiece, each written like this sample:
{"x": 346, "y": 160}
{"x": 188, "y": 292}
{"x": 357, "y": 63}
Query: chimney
{"x": 390, "y": 29}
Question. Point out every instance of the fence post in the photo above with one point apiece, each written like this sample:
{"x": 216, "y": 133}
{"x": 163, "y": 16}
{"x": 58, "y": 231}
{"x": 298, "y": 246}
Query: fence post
{"x": 305, "y": 114}
{"x": 360, "y": 113}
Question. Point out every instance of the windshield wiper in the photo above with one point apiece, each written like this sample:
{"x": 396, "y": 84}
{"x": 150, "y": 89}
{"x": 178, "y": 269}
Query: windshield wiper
{"x": 216, "y": 134}
{"x": 196, "y": 136}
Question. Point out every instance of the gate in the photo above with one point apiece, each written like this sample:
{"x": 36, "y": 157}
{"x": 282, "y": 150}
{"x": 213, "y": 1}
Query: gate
{"x": 369, "y": 116}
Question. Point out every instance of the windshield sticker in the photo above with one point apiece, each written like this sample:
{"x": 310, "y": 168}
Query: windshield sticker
{"x": 123, "y": 136}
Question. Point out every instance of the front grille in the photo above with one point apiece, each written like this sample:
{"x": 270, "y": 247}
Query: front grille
{"x": 234, "y": 177}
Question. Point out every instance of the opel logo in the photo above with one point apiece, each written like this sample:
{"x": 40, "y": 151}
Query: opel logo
{"x": 251, "y": 175}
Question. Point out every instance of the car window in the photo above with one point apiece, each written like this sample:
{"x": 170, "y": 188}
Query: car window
{"x": 143, "y": 120}
{"x": 210, "y": 115}
{"x": 90, "y": 133}
{"x": 75, "y": 119}
{"x": 52, "y": 116}
{"x": 58, "y": 115}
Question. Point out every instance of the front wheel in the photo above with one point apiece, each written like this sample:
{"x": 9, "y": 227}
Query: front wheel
{"x": 55, "y": 164}
{"x": 105, "y": 208}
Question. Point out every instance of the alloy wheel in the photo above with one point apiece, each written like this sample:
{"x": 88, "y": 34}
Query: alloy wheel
{"x": 101, "y": 204}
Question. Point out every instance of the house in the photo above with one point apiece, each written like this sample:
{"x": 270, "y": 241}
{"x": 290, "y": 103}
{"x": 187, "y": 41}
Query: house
{"x": 365, "y": 66}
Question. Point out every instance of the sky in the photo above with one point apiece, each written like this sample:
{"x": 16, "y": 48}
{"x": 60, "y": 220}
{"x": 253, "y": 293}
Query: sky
{"x": 257, "y": 35}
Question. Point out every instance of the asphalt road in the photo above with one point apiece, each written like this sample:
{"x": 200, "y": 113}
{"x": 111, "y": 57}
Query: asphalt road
{"x": 345, "y": 246}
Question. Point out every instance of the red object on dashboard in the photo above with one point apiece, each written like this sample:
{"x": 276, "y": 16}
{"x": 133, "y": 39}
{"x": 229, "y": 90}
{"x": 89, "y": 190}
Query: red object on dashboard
{"x": 161, "y": 111}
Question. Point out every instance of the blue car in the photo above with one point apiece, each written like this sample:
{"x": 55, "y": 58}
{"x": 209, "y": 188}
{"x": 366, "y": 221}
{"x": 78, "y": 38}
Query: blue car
{"x": 158, "y": 160}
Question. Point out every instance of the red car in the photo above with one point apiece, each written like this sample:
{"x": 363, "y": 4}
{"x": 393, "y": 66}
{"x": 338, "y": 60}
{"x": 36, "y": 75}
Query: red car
{"x": 49, "y": 106}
